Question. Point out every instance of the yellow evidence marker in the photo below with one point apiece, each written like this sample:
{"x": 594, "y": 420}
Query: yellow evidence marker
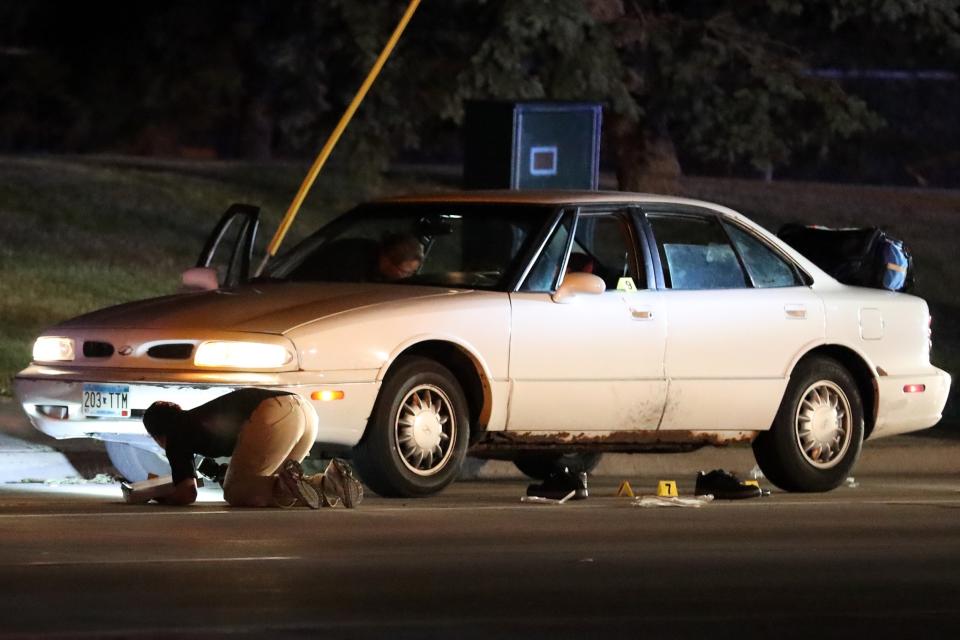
{"x": 625, "y": 490}
{"x": 667, "y": 489}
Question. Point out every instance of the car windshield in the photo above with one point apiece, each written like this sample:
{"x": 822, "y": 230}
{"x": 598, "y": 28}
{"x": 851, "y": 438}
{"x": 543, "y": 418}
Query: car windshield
{"x": 476, "y": 246}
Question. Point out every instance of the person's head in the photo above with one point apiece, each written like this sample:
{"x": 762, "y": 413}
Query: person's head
{"x": 159, "y": 418}
{"x": 400, "y": 256}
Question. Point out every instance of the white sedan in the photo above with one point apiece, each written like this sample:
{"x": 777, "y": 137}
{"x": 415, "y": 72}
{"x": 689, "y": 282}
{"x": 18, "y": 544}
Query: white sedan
{"x": 529, "y": 326}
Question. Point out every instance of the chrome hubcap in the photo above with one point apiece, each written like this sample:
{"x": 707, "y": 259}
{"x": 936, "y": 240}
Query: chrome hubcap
{"x": 823, "y": 424}
{"x": 425, "y": 430}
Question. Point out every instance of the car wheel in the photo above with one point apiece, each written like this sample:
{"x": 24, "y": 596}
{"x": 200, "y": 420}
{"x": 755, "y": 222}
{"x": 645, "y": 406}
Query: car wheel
{"x": 418, "y": 433}
{"x": 540, "y": 465}
{"x": 134, "y": 463}
{"x": 818, "y": 431}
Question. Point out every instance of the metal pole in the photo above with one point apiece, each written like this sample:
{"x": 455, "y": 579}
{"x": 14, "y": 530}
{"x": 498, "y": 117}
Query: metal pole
{"x": 335, "y": 136}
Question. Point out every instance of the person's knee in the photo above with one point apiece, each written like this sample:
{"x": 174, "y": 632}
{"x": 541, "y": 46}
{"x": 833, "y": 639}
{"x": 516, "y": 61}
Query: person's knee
{"x": 250, "y": 491}
{"x": 239, "y": 494}
{"x": 231, "y": 495}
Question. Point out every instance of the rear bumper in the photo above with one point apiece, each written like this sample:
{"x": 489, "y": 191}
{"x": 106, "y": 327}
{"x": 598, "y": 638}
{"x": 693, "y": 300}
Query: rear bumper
{"x": 901, "y": 412}
{"x": 341, "y": 422}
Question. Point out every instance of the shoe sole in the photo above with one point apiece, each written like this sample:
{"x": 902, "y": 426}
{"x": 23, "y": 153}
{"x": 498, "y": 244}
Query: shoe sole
{"x": 291, "y": 475}
{"x": 346, "y": 486}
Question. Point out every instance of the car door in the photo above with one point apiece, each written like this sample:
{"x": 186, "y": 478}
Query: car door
{"x": 593, "y": 363}
{"x": 228, "y": 250}
{"x": 739, "y": 313}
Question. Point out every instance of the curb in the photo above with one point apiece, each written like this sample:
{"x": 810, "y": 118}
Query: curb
{"x": 898, "y": 455}
{"x": 28, "y": 454}
{"x": 21, "y": 460}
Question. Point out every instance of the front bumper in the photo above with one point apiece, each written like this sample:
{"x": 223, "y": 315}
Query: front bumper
{"x": 899, "y": 412}
{"x": 38, "y": 388}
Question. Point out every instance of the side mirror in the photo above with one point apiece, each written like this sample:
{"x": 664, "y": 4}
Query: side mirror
{"x": 199, "y": 279}
{"x": 576, "y": 283}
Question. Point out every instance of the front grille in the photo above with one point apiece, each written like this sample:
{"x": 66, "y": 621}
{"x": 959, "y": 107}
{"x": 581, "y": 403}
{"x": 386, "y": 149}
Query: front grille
{"x": 94, "y": 349}
{"x": 173, "y": 351}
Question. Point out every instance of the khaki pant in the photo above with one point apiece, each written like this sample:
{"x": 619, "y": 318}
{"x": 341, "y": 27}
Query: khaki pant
{"x": 280, "y": 428}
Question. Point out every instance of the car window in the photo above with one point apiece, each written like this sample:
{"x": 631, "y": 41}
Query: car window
{"x": 767, "y": 269}
{"x": 224, "y": 251}
{"x": 603, "y": 246}
{"x": 543, "y": 276}
{"x": 696, "y": 253}
{"x": 454, "y": 245}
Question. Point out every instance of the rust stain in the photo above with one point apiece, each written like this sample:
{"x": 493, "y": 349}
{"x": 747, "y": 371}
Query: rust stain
{"x": 622, "y": 441}
{"x": 871, "y": 421}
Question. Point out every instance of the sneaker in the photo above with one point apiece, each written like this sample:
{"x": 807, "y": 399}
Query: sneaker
{"x": 559, "y": 484}
{"x": 724, "y": 486}
{"x": 328, "y": 492}
{"x": 340, "y": 485}
{"x": 292, "y": 480}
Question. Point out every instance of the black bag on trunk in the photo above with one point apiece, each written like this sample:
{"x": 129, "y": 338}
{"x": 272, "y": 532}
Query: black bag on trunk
{"x": 865, "y": 257}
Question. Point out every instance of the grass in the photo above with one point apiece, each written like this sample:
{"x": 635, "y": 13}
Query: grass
{"x": 79, "y": 233}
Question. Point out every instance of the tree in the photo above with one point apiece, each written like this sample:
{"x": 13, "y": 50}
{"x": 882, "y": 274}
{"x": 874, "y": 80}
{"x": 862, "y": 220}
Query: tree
{"x": 728, "y": 81}
{"x": 719, "y": 83}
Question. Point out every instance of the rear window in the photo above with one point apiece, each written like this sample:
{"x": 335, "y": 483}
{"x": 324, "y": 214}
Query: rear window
{"x": 766, "y": 267}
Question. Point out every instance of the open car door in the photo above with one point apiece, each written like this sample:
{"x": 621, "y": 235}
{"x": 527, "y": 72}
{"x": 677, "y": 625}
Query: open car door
{"x": 228, "y": 252}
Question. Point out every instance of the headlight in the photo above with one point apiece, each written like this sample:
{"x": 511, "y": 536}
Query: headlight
{"x": 53, "y": 349}
{"x": 241, "y": 355}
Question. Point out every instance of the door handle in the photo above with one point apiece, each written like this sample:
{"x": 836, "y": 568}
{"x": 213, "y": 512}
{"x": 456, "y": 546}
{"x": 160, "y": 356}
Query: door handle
{"x": 796, "y": 311}
{"x": 641, "y": 314}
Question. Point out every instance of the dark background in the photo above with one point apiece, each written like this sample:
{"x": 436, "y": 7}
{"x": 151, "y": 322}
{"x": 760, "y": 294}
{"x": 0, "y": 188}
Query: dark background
{"x": 854, "y": 92}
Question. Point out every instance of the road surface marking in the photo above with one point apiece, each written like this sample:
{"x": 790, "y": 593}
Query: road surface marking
{"x": 140, "y": 561}
{"x": 20, "y": 516}
{"x": 620, "y": 504}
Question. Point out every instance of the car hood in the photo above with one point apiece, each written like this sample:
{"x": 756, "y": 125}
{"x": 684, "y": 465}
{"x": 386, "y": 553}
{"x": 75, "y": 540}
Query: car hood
{"x": 262, "y": 308}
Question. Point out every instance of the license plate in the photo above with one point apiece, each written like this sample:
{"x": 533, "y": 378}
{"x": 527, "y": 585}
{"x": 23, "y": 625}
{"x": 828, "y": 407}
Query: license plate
{"x": 106, "y": 400}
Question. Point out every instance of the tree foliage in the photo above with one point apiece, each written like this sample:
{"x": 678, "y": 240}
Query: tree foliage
{"x": 729, "y": 84}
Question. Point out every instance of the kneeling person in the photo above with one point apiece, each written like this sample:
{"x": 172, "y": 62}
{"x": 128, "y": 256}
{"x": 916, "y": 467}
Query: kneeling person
{"x": 266, "y": 433}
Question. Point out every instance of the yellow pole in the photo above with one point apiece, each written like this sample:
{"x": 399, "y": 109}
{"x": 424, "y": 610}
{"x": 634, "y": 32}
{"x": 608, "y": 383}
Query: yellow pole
{"x": 335, "y": 136}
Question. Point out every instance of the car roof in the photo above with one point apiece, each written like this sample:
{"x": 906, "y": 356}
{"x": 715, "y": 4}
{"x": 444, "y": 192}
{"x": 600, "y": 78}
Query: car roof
{"x": 552, "y": 197}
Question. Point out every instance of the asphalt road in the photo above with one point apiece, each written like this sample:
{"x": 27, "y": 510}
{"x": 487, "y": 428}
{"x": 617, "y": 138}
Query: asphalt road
{"x": 879, "y": 560}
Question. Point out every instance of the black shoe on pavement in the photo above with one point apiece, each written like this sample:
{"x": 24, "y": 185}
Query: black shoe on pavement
{"x": 291, "y": 477}
{"x": 559, "y": 484}
{"x": 724, "y": 486}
